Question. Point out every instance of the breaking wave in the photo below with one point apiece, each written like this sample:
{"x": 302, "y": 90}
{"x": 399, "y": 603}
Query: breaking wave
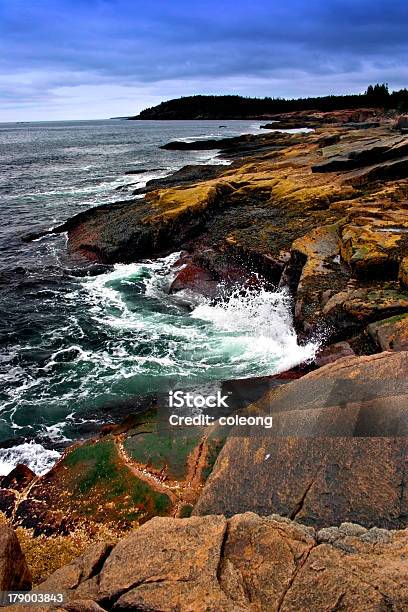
{"x": 38, "y": 458}
{"x": 127, "y": 336}
{"x": 74, "y": 348}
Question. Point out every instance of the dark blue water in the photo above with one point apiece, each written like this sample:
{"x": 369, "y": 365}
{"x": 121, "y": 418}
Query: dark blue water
{"x": 71, "y": 347}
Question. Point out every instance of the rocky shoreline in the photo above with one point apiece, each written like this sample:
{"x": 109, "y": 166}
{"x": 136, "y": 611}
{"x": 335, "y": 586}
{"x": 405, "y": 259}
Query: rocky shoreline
{"x": 328, "y": 208}
{"x": 323, "y": 214}
{"x": 243, "y": 563}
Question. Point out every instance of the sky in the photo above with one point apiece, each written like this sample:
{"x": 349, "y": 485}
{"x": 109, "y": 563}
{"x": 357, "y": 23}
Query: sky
{"x": 94, "y": 59}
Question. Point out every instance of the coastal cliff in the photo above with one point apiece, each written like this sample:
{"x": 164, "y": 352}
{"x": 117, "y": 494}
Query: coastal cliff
{"x": 323, "y": 215}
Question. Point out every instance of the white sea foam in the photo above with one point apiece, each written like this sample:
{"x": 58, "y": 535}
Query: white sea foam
{"x": 38, "y": 458}
{"x": 210, "y": 157}
{"x": 148, "y": 336}
{"x": 247, "y": 333}
{"x": 120, "y": 333}
{"x": 155, "y": 275}
{"x": 55, "y": 432}
{"x": 260, "y": 322}
{"x": 304, "y": 130}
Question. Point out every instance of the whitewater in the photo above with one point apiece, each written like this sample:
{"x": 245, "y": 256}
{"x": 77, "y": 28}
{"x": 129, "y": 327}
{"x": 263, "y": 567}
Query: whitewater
{"x": 76, "y": 349}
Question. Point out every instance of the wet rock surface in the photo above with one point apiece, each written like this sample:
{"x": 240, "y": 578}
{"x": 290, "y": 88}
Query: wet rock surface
{"x": 114, "y": 482}
{"x": 236, "y": 146}
{"x": 333, "y": 352}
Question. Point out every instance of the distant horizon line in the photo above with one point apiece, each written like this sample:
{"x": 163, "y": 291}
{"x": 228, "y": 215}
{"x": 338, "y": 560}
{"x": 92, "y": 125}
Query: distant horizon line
{"x": 250, "y": 97}
{"x": 59, "y": 120}
{"x": 118, "y": 119}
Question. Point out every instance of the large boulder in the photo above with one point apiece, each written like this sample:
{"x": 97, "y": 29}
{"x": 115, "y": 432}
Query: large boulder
{"x": 196, "y": 279}
{"x": 12, "y": 487}
{"x": 390, "y": 334}
{"x": 246, "y": 563}
{"x": 337, "y": 450}
{"x": 402, "y": 124}
{"x": 14, "y": 572}
{"x": 321, "y": 275}
{"x": 79, "y": 570}
{"x": 374, "y": 250}
{"x": 153, "y": 568}
{"x": 349, "y": 311}
{"x": 346, "y": 274}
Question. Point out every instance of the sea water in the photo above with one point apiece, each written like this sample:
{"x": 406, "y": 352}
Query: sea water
{"x": 73, "y": 349}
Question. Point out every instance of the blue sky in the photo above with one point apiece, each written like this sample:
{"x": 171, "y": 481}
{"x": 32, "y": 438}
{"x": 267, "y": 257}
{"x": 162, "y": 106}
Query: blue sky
{"x": 79, "y": 59}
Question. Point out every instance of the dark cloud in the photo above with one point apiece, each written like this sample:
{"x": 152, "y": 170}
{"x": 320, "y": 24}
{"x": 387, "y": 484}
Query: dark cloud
{"x": 74, "y": 43}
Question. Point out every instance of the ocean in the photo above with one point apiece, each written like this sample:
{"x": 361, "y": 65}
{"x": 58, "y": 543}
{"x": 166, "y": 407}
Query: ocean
{"x": 74, "y": 348}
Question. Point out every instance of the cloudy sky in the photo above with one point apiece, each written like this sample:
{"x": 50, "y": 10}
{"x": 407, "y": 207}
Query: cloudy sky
{"x": 82, "y": 59}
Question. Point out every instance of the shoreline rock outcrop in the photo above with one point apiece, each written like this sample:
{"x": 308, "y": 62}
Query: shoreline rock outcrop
{"x": 244, "y": 563}
{"x": 337, "y": 451}
{"x": 323, "y": 215}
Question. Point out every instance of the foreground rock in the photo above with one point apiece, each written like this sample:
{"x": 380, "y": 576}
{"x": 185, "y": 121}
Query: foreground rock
{"x": 337, "y": 451}
{"x": 246, "y": 563}
{"x": 14, "y": 572}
